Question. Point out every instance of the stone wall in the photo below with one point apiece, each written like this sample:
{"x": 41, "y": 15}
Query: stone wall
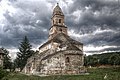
{"x": 51, "y": 62}
{"x": 58, "y": 64}
{"x": 1, "y": 60}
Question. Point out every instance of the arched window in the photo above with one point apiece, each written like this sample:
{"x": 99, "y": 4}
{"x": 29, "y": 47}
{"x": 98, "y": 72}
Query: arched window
{"x": 59, "y": 20}
{"x": 60, "y": 29}
{"x": 67, "y": 59}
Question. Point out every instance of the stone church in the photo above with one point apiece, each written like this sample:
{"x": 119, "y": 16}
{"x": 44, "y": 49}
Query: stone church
{"x": 60, "y": 54}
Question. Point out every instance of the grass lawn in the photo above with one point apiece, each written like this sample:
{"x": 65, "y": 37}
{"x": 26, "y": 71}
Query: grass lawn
{"x": 95, "y": 74}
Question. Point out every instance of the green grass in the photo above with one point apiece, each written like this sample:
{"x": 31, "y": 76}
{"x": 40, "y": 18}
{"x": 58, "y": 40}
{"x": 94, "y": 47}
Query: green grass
{"x": 95, "y": 74}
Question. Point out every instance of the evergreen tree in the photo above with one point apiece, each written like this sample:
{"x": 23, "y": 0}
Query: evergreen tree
{"x": 7, "y": 64}
{"x": 24, "y": 53}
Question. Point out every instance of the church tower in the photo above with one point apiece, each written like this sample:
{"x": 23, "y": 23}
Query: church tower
{"x": 58, "y": 25}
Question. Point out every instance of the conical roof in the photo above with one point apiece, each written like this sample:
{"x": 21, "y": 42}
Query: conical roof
{"x": 57, "y": 10}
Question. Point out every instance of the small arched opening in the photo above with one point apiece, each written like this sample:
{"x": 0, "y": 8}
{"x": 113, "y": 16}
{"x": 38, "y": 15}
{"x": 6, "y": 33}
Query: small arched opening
{"x": 60, "y": 30}
{"x": 67, "y": 59}
{"x": 59, "y": 20}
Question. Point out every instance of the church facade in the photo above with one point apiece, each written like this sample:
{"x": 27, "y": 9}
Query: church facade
{"x": 60, "y": 54}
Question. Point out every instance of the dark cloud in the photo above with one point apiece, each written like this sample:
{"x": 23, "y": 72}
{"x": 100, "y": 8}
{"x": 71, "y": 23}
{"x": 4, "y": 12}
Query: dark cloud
{"x": 32, "y": 20}
{"x": 96, "y": 14}
{"x": 110, "y": 49}
{"x": 100, "y": 13}
{"x": 94, "y": 4}
{"x": 84, "y": 17}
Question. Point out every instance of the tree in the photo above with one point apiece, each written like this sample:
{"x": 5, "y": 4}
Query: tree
{"x": 3, "y": 73}
{"x": 7, "y": 64}
{"x": 114, "y": 59}
{"x": 24, "y": 53}
{"x": 86, "y": 60}
{"x": 91, "y": 60}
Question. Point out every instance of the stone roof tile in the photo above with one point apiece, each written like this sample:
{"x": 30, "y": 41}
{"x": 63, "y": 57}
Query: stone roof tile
{"x": 58, "y": 39}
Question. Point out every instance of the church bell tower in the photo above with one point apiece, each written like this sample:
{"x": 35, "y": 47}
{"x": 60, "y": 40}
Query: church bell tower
{"x": 58, "y": 25}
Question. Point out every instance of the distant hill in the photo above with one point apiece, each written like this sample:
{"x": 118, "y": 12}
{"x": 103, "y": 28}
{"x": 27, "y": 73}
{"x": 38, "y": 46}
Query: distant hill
{"x": 112, "y": 58}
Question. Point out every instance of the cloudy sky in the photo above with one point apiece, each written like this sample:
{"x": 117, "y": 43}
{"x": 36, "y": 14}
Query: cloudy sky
{"x": 95, "y": 23}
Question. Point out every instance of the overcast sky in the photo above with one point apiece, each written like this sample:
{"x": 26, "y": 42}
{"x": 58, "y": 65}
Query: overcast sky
{"x": 95, "y": 23}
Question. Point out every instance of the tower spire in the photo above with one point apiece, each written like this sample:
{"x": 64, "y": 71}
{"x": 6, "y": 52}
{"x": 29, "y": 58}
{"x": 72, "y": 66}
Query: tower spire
{"x": 57, "y": 3}
{"x": 58, "y": 25}
{"x": 57, "y": 10}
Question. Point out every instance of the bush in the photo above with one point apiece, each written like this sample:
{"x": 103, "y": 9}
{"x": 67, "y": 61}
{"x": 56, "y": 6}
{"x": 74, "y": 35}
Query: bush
{"x": 3, "y": 73}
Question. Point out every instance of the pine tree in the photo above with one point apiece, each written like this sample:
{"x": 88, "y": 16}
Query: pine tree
{"x": 24, "y": 53}
{"x": 7, "y": 64}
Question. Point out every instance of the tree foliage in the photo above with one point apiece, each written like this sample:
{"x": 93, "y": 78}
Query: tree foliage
{"x": 3, "y": 73}
{"x": 24, "y": 53}
{"x": 114, "y": 59}
{"x": 7, "y": 64}
{"x": 103, "y": 59}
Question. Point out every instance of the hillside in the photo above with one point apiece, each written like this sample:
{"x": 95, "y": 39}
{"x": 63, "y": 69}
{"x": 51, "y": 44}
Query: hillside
{"x": 112, "y": 58}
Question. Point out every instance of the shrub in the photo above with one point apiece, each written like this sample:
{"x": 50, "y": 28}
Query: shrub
{"x": 3, "y": 73}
